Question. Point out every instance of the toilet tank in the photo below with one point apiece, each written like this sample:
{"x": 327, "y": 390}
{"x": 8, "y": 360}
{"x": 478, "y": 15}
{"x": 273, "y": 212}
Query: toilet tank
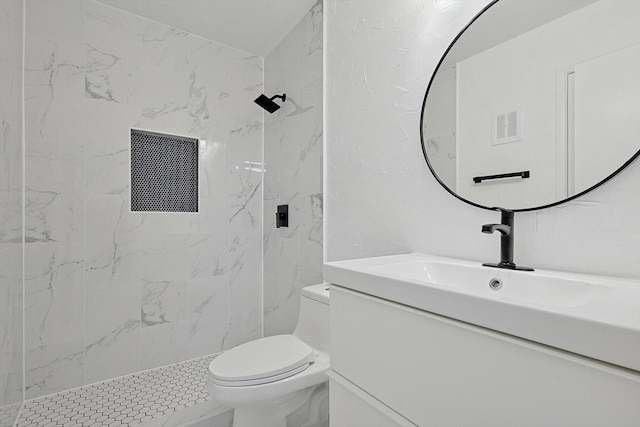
{"x": 313, "y": 317}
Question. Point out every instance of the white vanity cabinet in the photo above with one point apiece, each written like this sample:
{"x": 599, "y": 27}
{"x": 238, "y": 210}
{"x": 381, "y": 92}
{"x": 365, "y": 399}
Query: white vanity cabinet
{"x": 394, "y": 365}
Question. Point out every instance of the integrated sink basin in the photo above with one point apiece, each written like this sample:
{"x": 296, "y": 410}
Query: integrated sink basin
{"x": 533, "y": 287}
{"x": 594, "y": 316}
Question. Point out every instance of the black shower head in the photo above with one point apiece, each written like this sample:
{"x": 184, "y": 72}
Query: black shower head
{"x": 268, "y": 104}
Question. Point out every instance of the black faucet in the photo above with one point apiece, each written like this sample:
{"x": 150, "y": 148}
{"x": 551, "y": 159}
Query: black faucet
{"x": 506, "y": 230}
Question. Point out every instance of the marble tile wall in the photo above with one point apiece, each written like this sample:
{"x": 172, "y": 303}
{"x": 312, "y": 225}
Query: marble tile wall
{"x": 108, "y": 291}
{"x": 293, "y": 172}
{"x": 11, "y": 228}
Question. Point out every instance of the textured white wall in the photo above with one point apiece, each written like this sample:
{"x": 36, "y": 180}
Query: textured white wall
{"x": 380, "y": 196}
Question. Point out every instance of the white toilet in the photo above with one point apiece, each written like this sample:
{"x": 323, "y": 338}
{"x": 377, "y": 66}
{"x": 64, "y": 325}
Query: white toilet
{"x": 267, "y": 379}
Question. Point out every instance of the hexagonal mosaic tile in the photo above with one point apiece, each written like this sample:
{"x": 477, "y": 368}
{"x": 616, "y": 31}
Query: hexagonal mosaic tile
{"x": 125, "y": 401}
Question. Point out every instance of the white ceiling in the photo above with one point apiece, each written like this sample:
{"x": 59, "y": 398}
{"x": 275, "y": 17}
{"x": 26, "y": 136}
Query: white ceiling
{"x": 255, "y": 26}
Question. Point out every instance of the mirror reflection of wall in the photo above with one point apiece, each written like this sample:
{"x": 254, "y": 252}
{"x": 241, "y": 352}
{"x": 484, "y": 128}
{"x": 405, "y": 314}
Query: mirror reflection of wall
{"x": 606, "y": 125}
{"x": 570, "y": 85}
{"x": 441, "y": 143}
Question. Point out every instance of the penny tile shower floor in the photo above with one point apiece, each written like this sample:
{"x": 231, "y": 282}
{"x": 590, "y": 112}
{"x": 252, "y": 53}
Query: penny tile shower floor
{"x": 125, "y": 401}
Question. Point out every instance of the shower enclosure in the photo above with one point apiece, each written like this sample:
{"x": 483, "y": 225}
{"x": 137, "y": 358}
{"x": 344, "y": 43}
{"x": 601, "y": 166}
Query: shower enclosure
{"x": 108, "y": 291}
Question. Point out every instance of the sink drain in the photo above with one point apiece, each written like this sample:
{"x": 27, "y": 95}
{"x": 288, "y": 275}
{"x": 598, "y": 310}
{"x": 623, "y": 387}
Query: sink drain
{"x": 495, "y": 284}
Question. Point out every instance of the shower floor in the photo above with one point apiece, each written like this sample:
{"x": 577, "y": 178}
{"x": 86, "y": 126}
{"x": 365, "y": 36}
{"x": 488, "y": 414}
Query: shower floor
{"x": 151, "y": 398}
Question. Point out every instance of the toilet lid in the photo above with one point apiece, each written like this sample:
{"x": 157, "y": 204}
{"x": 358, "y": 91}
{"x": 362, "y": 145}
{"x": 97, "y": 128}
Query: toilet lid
{"x": 259, "y": 361}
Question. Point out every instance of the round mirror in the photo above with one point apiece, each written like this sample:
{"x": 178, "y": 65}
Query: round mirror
{"x": 535, "y": 102}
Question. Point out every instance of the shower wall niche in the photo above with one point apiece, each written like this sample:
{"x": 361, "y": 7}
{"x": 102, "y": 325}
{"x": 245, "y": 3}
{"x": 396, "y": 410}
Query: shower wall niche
{"x": 110, "y": 291}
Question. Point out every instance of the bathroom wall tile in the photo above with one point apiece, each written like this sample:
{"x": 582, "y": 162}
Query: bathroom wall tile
{"x": 271, "y": 304}
{"x": 282, "y": 298}
{"x": 307, "y": 129}
{"x": 54, "y": 71}
{"x": 244, "y": 165}
{"x": 112, "y": 264}
{"x": 311, "y": 28}
{"x": 208, "y": 254}
{"x": 53, "y": 368}
{"x": 245, "y": 233}
{"x": 289, "y": 191}
{"x": 271, "y": 240}
{"x": 212, "y": 217}
{"x": 54, "y": 193}
{"x": 208, "y": 315}
{"x": 163, "y": 302}
{"x": 293, "y": 172}
{"x": 164, "y": 63}
{"x": 271, "y": 163}
{"x": 54, "y": 317}
{"x": 164, "y": 343}
{"x": 209, "y": 92}
{"x": 11, "y": 324}
{"x": 244, "y": 150}
{"x": 60, "y": 19}
{"x": 199, "y": 112}
{"x": 11, "y": 217}
{"x": 107, "y": 145}
{"x": 311, "y": 233}
{"x": 245, "y": 83}
{"x": 11, "y": 224}
{"x": 11, "y": 16}
{"x": 113, "y": 339}
{"x": 11, "y": 184}
{"x": 162, "y": 260}
{"x": 164, "y": 46}
{"x": 112, "y": 40}
{"x": 112, "y": 247}
{"x": 10, "y": 132}
{"x": 163, "y": 225}
{"x": 289, "y": 274}
{"x": 165, "y": 110}
{"x": 112, "y": 289}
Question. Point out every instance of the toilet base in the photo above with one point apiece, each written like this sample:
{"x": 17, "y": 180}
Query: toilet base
{"x": 271, "y": 414}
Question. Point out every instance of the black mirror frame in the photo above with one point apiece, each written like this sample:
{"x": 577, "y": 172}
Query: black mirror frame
{"x": 453, "y": 193}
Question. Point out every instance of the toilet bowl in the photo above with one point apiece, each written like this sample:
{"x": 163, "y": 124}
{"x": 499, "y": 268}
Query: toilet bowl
{"x": 267, "y": 379}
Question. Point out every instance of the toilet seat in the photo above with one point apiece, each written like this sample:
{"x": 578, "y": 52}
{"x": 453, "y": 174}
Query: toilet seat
{"x": 261, "y": 361}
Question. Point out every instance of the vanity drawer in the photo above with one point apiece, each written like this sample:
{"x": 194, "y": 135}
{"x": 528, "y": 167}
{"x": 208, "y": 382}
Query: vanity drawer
{"x": 351, "y": 407}
{"x": 436, "y": 371}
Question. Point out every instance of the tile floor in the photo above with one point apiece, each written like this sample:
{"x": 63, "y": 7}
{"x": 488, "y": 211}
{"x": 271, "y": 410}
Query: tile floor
{"x": 126, "y": 401}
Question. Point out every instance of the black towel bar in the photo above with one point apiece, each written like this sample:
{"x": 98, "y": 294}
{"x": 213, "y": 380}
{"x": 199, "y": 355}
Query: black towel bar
{"x": 523, "y": 174}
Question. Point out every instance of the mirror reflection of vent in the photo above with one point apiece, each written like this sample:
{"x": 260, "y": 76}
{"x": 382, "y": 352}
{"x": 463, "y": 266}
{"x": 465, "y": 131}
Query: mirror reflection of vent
{"x": 164, "y": 172}
{"x": 507, "y": 127}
